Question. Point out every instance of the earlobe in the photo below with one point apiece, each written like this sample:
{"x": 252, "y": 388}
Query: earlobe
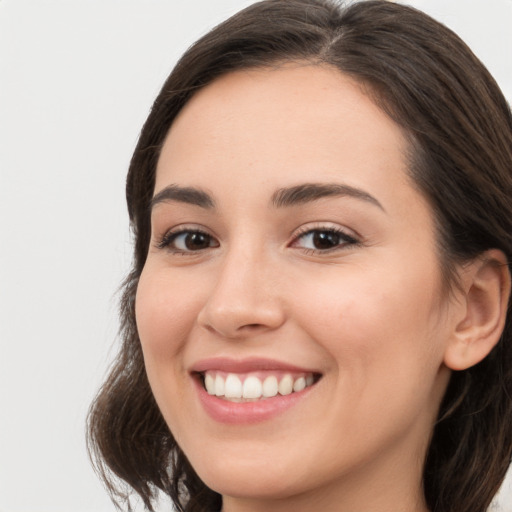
{"x": 486, "y": 284}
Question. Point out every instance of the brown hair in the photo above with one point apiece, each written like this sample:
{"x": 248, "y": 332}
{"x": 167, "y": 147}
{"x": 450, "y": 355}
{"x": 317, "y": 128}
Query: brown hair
{"x": 460, "y": 131}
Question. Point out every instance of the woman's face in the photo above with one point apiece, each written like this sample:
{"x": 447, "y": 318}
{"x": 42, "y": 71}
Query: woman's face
{"x": 289, "y": 249}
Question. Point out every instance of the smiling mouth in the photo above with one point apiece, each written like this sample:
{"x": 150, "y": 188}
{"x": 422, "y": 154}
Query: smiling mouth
{"x": 255, "y": 386}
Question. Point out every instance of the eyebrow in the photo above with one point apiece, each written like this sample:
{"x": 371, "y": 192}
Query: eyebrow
{"x": 309, "y": 192}
{"x": 188, "y": 195}
{"x": 282, "y": 198}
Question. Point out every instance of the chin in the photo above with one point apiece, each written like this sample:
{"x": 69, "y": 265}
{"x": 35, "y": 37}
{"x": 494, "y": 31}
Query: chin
{"x": 256, "y": 481}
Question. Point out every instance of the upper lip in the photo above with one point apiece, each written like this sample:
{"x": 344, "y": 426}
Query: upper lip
{"x": 229, "y": 365}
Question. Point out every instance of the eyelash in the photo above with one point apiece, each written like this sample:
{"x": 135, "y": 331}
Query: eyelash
{"x": 345, "y": 240}
{"x": 170, "y": 237}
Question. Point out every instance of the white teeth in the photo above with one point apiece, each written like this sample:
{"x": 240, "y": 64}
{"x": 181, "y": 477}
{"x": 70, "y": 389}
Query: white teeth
{"x": 219, "y": 386}
{"x": 233, "y": 387}
{"x": 286, "y": 385}
{"x": 270, "y": 387}
{"x": 299, "y": 384}
{"x": 209, "y": 384}
{"x": 252, "y": 387}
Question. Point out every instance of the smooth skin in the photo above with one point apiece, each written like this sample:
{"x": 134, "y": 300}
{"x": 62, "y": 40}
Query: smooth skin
{"x": 347, "y": 284}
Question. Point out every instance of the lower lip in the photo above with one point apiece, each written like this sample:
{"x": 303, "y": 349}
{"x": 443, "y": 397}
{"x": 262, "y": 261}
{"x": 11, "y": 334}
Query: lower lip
{"x": 243, "y": 413}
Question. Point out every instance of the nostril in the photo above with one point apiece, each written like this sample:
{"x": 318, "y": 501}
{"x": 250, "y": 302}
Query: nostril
{"x": 231, "y": 318}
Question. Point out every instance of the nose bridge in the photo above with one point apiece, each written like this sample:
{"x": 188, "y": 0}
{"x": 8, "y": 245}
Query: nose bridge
{"x": 245, "y": 297}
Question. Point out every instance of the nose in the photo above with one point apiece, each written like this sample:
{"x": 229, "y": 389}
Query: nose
{"x": 245, "y": 299}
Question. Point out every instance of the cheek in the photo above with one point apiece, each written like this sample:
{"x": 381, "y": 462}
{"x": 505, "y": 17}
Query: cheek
{"x": 165, "y": 311}
{"x": 385, "y": 353}
{"x": 376, "y": 325}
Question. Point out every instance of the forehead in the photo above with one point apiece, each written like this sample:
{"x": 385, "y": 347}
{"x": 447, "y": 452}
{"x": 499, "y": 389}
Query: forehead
{"x": 277, "y": 126}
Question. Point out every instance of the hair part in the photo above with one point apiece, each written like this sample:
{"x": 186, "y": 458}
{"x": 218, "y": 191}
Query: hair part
{"x": 459, "y": 127}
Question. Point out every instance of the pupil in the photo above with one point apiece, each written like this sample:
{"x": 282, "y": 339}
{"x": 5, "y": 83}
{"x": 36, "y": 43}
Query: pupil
{"x": 325, "y": 239}
{"x": 196, "y": 241}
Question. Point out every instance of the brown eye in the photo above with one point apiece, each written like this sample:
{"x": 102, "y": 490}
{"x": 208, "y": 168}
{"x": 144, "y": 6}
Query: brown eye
{"x": 196, "y": 241}
{"x": 324, "y": 240}
{"x": 188, "y": 241}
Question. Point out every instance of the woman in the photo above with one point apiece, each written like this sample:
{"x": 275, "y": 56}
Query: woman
{"x": 318, "y": 312}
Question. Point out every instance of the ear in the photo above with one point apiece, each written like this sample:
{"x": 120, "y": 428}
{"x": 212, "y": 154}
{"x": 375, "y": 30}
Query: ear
{"x": 486, "y": 292}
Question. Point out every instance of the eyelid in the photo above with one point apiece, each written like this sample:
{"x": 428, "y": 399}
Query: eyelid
{"x": 348, "y": 237}
{"x": 165, "y": 240}
{"x": 325, "y": 226}
{"x": 351, "y": 239}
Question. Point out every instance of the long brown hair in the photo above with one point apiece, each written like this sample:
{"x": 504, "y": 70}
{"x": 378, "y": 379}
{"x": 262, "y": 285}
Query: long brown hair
{"x": 460, "y": 131}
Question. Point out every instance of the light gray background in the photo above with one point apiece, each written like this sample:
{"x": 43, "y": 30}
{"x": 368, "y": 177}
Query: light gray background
{"x": 77, "y": 78}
